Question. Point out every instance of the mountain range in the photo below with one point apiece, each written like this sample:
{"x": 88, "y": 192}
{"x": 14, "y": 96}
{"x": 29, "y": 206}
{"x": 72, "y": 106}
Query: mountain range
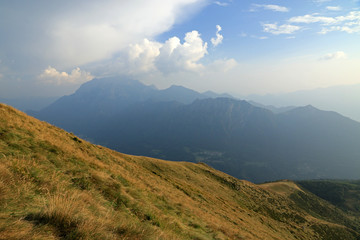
{"x": 342, "y": 99}
{"x": 231, "y": 135}
{"x": 55, "y": 185}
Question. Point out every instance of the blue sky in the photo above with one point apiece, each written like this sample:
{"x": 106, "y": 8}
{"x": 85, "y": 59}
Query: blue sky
{"x": 243, "y": 23}
{"x": 49, "y": 48}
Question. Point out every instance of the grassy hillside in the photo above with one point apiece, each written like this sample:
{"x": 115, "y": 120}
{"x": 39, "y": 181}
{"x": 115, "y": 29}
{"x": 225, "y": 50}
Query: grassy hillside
{"x": 54, "y": 185}
{"x": 344, "y": 194}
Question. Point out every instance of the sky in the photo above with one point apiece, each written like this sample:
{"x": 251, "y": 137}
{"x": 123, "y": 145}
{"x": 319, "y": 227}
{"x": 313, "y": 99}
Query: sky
{"x": 242, "y": 47}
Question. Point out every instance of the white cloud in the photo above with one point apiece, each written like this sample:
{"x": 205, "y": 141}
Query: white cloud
{"x": 347, "y": 29}
{"x": 111, "y": 26}
{"x": 312, "y": 19}
{"x": 333, "y": 8}
{"x": 349, "y": 23}
{"x": 53, "y": 76}
{"x": 80, "y": 32}
{"x": 175, "y": 56}
{"x": 172, "y": 56}
{"x": 259, "y": 37}
{"x": 334, "y": 56}
{"x": 169, "y": 58}
{"x": 218, "y": 40}
{"x": 271, "y": 7}
{"x": 142, "y": 56}
{"x": 282, "y": 29}
{"x": 321, "y": 1}
{"x": 222, "y": 4}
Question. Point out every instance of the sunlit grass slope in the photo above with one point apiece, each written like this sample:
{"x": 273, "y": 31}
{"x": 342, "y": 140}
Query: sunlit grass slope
{"x": 54, "y": 185}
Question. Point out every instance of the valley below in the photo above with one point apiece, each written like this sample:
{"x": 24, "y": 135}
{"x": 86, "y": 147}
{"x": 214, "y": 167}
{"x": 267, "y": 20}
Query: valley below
{"x": 234, "y": 136}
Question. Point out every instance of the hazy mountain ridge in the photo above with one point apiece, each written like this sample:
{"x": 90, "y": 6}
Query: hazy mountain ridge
{"x": 231, "y": 135}
{"x": 69, "y": 188}
{"x": 342, "y": 99}
{"x": 272, "y": 108}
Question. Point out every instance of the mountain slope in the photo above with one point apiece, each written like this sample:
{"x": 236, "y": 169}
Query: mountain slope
{"x": 98, "y": 100}
{"x": 68, "y": 188}
{"x": 343, "y": 194}
{"x": 233, "y": 136}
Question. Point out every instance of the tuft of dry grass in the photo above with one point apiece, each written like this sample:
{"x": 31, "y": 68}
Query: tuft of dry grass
{"x": 6, "y": 181}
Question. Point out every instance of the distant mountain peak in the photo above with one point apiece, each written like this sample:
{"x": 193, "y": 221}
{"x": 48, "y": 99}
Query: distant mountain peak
{"x": 177, "y": 87}
{"x": 309, "y": 106}
{"x": 230, "y": 134}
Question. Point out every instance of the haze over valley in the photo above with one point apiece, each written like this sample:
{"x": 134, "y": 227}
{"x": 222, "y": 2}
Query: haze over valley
{"x": 180, "y": 119}
{"x": 231, "y": 135}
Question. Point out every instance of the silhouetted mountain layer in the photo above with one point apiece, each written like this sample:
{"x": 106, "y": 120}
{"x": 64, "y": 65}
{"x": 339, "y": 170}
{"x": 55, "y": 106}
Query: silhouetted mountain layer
{"x": 272, "y": 108}
{"x": 231, "y": 135}
{"x": 342, "y": 99}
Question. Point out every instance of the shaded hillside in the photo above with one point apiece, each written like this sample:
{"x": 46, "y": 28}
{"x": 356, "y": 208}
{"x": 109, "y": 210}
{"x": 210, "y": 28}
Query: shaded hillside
{"x": 230, "y": 135}
{"x": 343, "y": 194}
{"x": 67, "y": 188}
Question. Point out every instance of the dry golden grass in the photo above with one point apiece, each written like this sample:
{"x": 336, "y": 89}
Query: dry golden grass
{"x": 54, "y": 185}
{"x": 284, "y": 187}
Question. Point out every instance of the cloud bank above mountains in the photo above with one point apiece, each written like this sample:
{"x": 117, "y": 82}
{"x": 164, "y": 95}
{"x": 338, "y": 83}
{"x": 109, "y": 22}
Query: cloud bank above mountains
{"x": 108, "y": 37}
{"x": 68, "y": 33}
{"x": 243, "y": 46}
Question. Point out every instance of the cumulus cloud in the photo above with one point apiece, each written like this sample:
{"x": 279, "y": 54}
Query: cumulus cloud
{"x": 349, "y": 23}
{"x": 80, "y": 32}
{"x": 170, "y": 57}
{"x": 142, "y": 56}
{"x": 271, "y": 7}
{"x": 218, "y": 40}
{"x": 334, "y": 56}
{"x": 53, "y": 76}
{"x": 175, "y": 56}
{"x": 276, "y": 29}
